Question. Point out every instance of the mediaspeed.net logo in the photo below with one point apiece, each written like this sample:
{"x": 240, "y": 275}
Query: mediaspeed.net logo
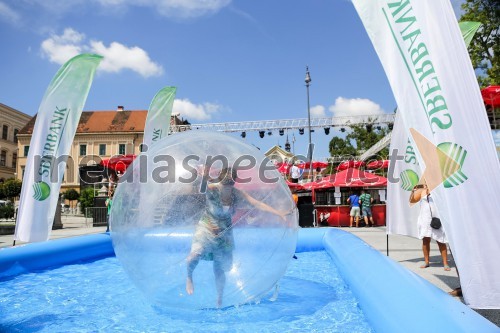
{"x": 41, "y": 191}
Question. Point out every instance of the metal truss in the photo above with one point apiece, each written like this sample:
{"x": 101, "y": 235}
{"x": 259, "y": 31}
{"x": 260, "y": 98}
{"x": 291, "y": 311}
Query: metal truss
{"x": 285, "y": 124}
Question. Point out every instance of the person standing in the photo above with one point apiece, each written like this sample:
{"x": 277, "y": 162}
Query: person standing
{"x": 295, "y": 172}
{"x": 109, "y": 203}
{"x": 213, "y": 238}
{"x": 428, "y": 210}
{"x": 366, "y": 200}
{"x": 353, "y": 200}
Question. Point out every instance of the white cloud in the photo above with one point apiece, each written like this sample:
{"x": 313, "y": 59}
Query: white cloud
{"x": 60, "y": 49}
{"x": 117, "y": 57}
{"x": 318, "y": 111}
{"x": 183, "y": 9}
{"x": 8, "y": 14}
{"x": 189, "y": 110}
{"x": 355, "y": 107}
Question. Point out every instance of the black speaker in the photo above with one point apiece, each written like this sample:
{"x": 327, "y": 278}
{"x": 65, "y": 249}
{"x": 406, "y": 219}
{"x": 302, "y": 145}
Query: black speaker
{"x": 306, "y": 215}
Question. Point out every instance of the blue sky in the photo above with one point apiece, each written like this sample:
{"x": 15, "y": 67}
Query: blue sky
{"x": 230, "y": 60}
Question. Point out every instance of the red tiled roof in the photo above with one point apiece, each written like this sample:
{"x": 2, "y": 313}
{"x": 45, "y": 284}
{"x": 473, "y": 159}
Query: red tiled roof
{"x": 103, "y": 121}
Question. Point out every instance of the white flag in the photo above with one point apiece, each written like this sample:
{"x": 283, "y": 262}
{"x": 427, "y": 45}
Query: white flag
{"x": 424, "y": 56}
{"x": 401, "y": 217}
{"x": 159, "y": 114}
{"x": 55, "y": 128}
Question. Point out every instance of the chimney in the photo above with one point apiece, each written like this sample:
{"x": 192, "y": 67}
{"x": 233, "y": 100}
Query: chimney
{"x": 120, "y": 108}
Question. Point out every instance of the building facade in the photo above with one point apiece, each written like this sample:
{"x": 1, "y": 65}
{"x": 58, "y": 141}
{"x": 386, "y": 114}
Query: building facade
{"x": 11, "y": 122}
{"x": 100, "y": 135}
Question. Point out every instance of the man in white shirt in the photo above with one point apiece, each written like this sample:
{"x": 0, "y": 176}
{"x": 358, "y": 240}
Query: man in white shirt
{"x": 295, "y": 172}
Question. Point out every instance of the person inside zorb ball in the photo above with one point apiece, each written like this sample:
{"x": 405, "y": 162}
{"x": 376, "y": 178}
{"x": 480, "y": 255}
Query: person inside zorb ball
{"x": 203, "y": 220}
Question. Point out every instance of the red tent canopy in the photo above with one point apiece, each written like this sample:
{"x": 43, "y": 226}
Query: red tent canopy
{"x": 381, "y": 164}
{"x": 350, "y": 164}
{"x": 315, "y": 165}
{"x": 351, "y": 177}
{"x": 283, "y": 167}
{"x": 491, "y": 95}
{"x": 119, "y": 163}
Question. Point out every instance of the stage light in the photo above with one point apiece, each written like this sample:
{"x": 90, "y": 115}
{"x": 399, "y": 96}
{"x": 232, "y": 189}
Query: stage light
{"x": 262, "y": 133}
{"x": 327, "y": 130}
{"x": 390, "y": 125}
{"x": 269, "y": 133}
{"x": 243, "y": 134}
{"x": 282, "y": 132}
{"x": 342, "y": 130}
{"x": 301, "y": 131}
{"x": 369, "y": 128}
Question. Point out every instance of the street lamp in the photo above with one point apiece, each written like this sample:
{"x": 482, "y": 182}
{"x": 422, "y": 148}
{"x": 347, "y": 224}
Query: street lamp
{"x": 309, "y": 151}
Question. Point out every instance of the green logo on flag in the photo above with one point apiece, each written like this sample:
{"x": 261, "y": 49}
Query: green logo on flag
{"x": 42, "y": 191}
{"x": 409, "y": 179}
{"x": 457, "y": 154}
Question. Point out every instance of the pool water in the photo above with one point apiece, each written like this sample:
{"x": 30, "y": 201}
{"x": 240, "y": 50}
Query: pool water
{"x": 99, "y": 297}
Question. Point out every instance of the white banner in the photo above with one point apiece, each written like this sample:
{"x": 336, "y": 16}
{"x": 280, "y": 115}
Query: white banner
{"x": 424, "y": 56}
{"x": 55, "y": 128}
{"x": 159, "y": 114}
{"x": 401, "y": 217}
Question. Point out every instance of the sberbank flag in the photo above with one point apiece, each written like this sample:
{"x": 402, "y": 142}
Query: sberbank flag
{"x": 55, "y": 127}
{"x": 401, "y": 216}
{"x": 425, "y": 58}
{"x": 159, "y": 114}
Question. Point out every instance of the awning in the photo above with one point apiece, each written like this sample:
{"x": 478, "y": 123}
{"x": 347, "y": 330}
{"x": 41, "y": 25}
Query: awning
{"x": 350, "y": 164}
{"x": 118, "y": 163}
{"x": 491, "y": 95}
{"x": 380, "y": 164}
{"x": 351, "y": 177}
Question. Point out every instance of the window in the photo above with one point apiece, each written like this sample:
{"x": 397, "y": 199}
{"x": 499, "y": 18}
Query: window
{"x": 26, "y": 150}
{"x": 5, "y": 132}
{"x": 3, "y": 158}
{"x": 14, "y": 160}
{"x": 15, "y": 135}
{"x": 102, "y": 149}
{"x": 121, "y": 149}
{"x": 83, "y": 150}
{"x": 22, "y": 172}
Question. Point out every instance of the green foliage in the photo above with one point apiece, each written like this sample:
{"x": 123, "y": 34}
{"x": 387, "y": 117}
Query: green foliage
{"x": 71, "y": 194}
{"x": 87, "y": 198}
{"x": 341, "y": 147}
{"x": 11, "y": 188}
{"x": 7, "y": 211}
{"x": 357, "y": 141}
{"x": 485, "y": 46}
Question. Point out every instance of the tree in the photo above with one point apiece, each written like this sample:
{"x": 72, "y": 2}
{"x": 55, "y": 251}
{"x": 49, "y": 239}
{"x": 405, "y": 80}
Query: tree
{"x": 358, "y": 140}
{"x": 11, "y": 188}
{"x": 367, "y": 136}
{"x": 87, "y": 198}
{"x": 71, "y": 195}
{"x": 485, "y": 46}
{"x": 341, "y": 147}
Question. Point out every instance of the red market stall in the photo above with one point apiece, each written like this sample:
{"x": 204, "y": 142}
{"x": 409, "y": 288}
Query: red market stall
{"x": 330, "y": 196}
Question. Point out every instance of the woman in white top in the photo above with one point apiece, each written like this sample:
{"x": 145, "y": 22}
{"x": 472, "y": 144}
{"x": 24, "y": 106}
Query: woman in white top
{"x": 425, "y": 231}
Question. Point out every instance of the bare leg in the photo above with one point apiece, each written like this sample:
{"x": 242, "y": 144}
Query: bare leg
{"x": 351, "y": 219}
{"x": 220, "y": 282}
{"x": 192, "y": 262}
{"x": 426, "y": 248}
{"x": 357, "y": 221}
{"x": 366, "y": 221}
{"x": 372, "y": 222}
{"x": 444, "y": 254}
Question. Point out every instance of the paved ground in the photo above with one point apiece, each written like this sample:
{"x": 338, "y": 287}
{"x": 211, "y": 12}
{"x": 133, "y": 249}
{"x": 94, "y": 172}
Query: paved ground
{"x": 405, "y": 250}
